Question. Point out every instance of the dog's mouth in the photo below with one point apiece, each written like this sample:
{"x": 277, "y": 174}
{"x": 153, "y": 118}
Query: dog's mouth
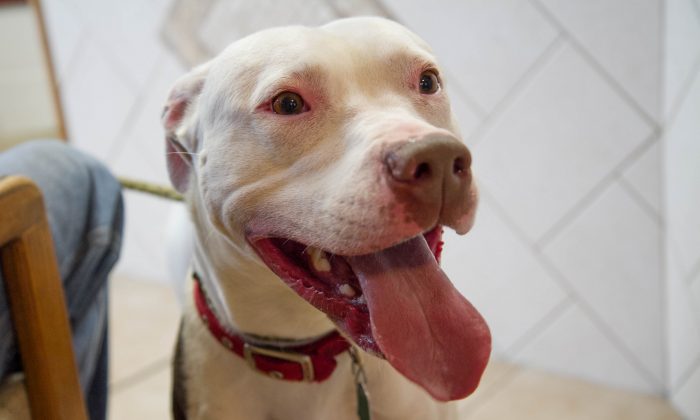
{"x": 395, "y": 303}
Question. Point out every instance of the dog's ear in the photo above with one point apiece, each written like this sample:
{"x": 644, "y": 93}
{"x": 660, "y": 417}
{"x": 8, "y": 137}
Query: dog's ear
{"x": 180, "y": 123}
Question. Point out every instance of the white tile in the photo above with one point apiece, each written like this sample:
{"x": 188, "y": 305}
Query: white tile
{"x": 683, "y": 338}
{"x": 557, "y": 140}
{"x": 645, "y": 177}
{"x": 141, "y": 151}
{"x": 466, "y": 117}
{"x": 682, "y": 187}
{"x": 216, "y": 32}
{"x": 141, "y": 156}
{"x": 145, "y": 246}
{"x": 573, "y": 345}
{"x": 611, "y": 256}
{"x": 127, "y": 31}
{"x": 682, "y": 49}
{"x": 488, "y": 44}
{"x": 499, "y": 275}
{"x": 686, "y": 398}
{"x": 624, "y": 36}
{"x": 97, "y": 101}
{"x": 136, "y": 162}
{"x": 695, "y": 298}
{"x": 161, "y": 7}
{"x": 64, "y": 30}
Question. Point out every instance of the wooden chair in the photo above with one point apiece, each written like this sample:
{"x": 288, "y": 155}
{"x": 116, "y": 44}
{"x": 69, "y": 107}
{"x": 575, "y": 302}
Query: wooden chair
{"x": 37, "y": 304}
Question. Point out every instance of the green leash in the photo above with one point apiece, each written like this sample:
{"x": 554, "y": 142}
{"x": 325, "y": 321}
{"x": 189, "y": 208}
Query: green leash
{"x": 358, "y": 373}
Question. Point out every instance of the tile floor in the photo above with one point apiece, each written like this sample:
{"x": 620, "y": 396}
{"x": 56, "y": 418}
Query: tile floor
{"x": 144, "y": 324}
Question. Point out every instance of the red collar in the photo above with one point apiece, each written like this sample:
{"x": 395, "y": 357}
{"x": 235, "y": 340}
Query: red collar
{"x": 312, "y": 362}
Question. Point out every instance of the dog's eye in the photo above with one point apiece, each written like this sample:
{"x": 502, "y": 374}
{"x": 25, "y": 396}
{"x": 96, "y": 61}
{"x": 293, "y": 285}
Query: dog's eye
{"x": 287, "y": 103}
{"x": 429, "y": 82}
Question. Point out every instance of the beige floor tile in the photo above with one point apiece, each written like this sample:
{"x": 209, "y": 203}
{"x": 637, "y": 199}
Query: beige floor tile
{"x": 535, "y": 395}
{"x": 148, "y": 399}
{"x": 144, "y": 320}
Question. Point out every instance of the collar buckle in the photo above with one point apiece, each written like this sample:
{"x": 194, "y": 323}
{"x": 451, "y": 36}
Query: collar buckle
{"x": 307, "y": 367}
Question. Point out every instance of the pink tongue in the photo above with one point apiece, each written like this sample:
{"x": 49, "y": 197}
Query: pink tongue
{"x": 426, "y": 329}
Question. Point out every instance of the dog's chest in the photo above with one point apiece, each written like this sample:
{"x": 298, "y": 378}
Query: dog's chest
{"x": 220, "y": 385}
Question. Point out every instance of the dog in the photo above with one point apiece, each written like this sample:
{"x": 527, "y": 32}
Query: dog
{"x": 319, "y": 167}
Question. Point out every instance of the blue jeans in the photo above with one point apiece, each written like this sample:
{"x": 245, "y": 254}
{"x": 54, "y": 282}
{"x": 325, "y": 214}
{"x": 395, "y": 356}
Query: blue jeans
{"x": 85, "y": 211}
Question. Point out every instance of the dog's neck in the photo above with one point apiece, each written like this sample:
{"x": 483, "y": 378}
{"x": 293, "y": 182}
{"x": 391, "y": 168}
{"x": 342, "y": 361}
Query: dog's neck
{"x": 245, "y": 295}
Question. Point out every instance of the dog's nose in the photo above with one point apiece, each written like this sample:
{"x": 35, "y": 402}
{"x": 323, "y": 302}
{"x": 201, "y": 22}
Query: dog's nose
{"x": 432, "y": 176}
{"x": 429, "y": 163}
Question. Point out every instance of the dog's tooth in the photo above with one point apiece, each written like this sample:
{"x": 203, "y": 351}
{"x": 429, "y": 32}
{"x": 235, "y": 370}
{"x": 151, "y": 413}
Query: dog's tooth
{"x": 319, "y": 260}
{"x": 347, "y": 290}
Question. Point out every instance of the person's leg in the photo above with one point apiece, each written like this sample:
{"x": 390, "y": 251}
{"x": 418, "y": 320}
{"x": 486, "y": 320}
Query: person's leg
{"x": 85, "y": 211}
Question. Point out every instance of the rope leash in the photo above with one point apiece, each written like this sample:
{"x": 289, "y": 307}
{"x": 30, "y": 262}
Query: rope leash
{"x": 150, "y": 188}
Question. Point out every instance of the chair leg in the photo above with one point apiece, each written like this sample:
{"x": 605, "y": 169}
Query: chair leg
{"x": 37, "y": 304}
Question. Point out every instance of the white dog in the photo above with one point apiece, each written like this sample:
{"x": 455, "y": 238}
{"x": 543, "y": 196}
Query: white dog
{"x": 319, "y": 166}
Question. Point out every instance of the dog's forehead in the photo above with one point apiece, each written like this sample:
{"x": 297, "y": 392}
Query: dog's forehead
{"x": 345, "y": 43}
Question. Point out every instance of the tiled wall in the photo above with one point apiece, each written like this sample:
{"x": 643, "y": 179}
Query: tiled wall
{"x": 583, "y": 119}
{"x": 681, "y": 163}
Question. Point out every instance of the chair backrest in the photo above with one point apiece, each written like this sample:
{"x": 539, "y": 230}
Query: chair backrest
{"x": 37, "y": 303}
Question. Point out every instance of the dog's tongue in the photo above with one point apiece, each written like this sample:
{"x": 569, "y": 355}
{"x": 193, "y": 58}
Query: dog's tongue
{"x": 426, "y": 329}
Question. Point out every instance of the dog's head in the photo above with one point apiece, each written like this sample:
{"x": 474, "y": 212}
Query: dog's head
{"x": 332, "y": 152}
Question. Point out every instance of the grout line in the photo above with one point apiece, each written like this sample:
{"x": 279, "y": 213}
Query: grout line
{"x": 518, "y": 87}
{"x": 73, "y": 59}
{"x": 560, "y": 279}
{"x": 83, "y": 36}
{"x": 640, "y": 200}
{"x": 692, "y": 275}
{"x": 695, "y": 312}
{"x": 103, "y": 47}
{"x": 65, "y": 78}
{"x": 139, "y": 376}
{"x": 683, "y": 271}
{"x": 621, "y": 91}
{"x": 696, "y": 7}
{"x": 683, "y": 379}
{"x": 505, "y": 217}
{"x": 663, "y": 255}
{"x": 587, "y": 199}
{"x": 675, "y": 109}
{"x": 541, "y": 326}
{"x": 459, "y": 89}
{"x": 600, "y": 324}
{"x": 119, "y": 141}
